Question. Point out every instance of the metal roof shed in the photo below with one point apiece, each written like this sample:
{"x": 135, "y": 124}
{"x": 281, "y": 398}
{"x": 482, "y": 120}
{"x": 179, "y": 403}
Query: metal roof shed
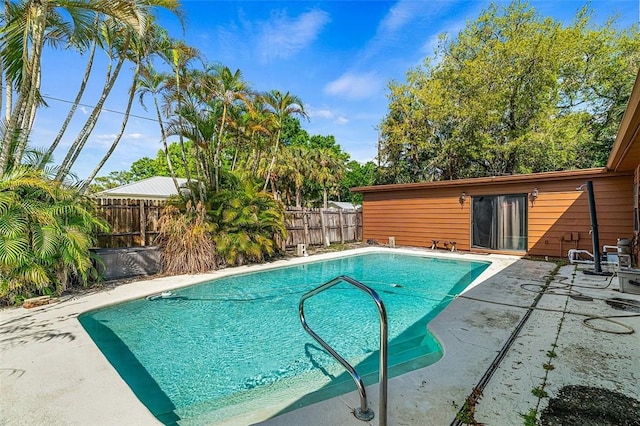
{"x": 158, "y": 188}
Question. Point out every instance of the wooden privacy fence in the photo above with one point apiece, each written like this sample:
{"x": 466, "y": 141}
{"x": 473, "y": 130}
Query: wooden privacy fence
{"x": 134, "y": 223}
{"x": 315, "y": 227}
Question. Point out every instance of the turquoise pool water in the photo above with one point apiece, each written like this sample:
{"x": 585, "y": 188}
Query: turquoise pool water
{"x": 222, "y": 348}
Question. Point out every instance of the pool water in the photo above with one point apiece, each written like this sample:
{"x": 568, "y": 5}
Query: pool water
{"x": 219, "y": 349}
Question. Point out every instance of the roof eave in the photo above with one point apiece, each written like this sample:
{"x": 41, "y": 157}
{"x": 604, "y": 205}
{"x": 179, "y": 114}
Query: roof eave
{"x": 531, "y": 177}
{"x": 628, "y": 132}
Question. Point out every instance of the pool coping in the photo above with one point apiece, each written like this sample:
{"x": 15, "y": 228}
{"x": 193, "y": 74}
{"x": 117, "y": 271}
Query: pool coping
{"x": 53, "y": 373}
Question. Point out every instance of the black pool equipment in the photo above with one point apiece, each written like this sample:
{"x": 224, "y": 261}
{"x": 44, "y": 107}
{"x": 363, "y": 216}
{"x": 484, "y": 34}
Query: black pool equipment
{"x": 594, "y": 231}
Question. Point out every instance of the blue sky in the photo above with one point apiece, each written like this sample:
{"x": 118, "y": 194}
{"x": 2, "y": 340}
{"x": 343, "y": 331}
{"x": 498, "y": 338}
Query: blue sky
{"x": 337, "y": 56}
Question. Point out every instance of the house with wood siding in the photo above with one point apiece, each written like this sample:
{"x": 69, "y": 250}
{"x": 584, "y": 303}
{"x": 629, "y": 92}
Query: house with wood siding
{"x": 540, "y": 214}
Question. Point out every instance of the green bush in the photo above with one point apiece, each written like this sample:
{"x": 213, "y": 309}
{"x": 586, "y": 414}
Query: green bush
{"x": 46, "y": 230}
{"x": 246, "y": 224}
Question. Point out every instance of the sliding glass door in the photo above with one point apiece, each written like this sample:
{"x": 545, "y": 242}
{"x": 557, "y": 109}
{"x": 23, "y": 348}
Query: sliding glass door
{"x": 499, "y": 222}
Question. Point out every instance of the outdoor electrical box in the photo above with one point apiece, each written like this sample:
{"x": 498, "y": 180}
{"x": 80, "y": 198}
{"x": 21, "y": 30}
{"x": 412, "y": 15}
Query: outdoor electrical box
{"x": 629, "y": 280}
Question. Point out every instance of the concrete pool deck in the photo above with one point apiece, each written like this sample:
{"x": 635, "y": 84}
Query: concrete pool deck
{"x": 51, "y": 372}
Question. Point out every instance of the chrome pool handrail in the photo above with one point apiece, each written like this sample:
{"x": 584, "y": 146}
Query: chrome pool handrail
{"x": 364, "y": 412}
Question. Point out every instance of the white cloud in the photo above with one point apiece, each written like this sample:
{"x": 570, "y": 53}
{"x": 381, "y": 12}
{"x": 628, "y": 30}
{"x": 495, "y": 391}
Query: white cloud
{"x": 356, "y": 86}
{"x": 134, "y": 142}
{"x": 429, "y": 47}
{"x": 399, "y": 15}
{"x": 326, "y": 114}
{"x": 105, "y": 137}
{"x": 283, "y": 36}
{"x": 451, "y": 31}
{"x": 405, "y": 19}
{"x": 321, "y": 113}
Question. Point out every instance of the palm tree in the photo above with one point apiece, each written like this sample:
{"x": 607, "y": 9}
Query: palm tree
{"x": 83, "y": 85}
{"x": 198, "y": 126}
{"x": 26, "y": 28}
{"x": 229, "y": 89}
{"x": 124, "y": 44}
{"x": 151, "y": 82}
{"x": 142, "y": 50}
{"x": 179, "y": 56}
{"x": 260, "y": 123}
{"x": 298, "y": 164}
{"x": 281, "y": 105}
{"x": 246, "y": 223}
{"x": 329, "y": 168}
{"x": 46, "y": 231}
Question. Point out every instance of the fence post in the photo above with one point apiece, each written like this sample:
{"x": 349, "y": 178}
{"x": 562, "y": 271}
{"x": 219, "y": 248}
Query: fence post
{"x": 305, "y": 222}
{"x": 143, "y": 224}
{"x": 323, "y": 224}
{"x": 340, "y": 221}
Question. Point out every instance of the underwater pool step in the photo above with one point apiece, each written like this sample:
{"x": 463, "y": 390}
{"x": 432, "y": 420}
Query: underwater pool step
{"x": 413, "y": 342}
{"x": 400, "y": 363}
{"x": 408, "y": 354}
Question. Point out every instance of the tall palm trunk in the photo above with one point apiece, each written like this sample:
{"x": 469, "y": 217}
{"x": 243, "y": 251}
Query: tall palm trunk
{"x": 76, "y": 102}
{"x": 235, "y": 155}
{"x": 125, "y": 120}
{"x": 26, "y": 114}
{"x": 31, "y": 117}
{"x": 15, "y": 137}
{"x": 216, "y": 156}
{"x": 8, "y": 98}
{"x": 187, "y": 173}
{"x": 299, "y": 196}
{"x": 87, "y": 129}
{"x": 165, "y": 146}
{"x": 273, "y": 159}
{"x": 6, "y": 88}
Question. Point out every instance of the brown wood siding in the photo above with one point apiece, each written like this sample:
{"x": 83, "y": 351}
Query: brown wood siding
{"x": 557, "y": 221}
{"x": 415, "y": 218}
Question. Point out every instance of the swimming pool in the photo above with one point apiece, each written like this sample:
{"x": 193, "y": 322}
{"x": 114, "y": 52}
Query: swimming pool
{"x": 219, "y": 349}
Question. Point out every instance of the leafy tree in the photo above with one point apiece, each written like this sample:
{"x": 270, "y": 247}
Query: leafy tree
{"x": 318, "y": 142}
{"x": 112, "y": 180}
{"x": 147, "y": 167}
{"x": 356, "y": 174}
{"x": 292, "y": 133}
{"x": 174, "y": 154}
{"x": 513, "y": 93}
{"x": 144, "y": 168}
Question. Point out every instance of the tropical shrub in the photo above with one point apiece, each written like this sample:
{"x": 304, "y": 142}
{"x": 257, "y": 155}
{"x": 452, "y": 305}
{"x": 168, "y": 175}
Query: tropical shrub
{"x": 247, "y": 224}
{"x": 185, "y": 241}
{"x": 46, "y": 230}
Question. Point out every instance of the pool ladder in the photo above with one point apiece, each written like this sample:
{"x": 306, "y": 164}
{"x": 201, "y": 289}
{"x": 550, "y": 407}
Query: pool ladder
{"x": 364, "y": 412}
